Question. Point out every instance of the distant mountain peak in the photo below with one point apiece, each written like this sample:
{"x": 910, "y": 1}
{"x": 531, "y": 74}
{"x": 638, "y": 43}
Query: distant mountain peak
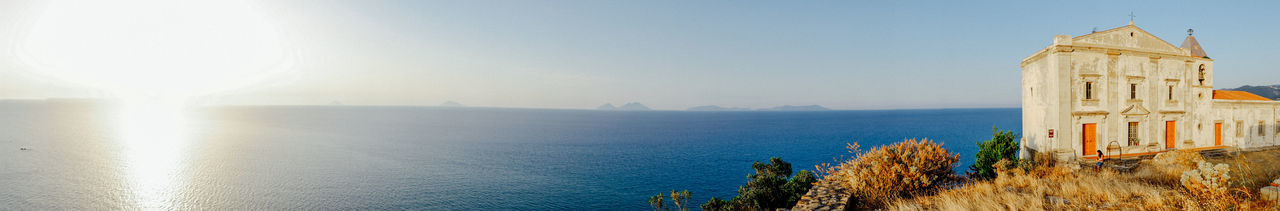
{"x": 607, "y": 106}
{"x": 634, "y": 106}
{"x": 452, "y": 104}
{"x": 1269, "y": 92}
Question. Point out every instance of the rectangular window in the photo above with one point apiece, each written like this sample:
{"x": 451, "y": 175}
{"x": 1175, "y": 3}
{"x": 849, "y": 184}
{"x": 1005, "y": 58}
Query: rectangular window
{"x": 1088, "y": 90}
{"x": 1170, "y": 92}
{"x": 1239, "y": 128}
{"x": 1133, "y": 134}
{"x": 1262, "y": 129}
{"x": 1133, "y": 91}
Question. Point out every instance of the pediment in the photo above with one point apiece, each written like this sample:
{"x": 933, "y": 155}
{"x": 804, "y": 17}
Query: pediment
{"x": 1135, "y": 110}
{"x": 1127, "y": 37}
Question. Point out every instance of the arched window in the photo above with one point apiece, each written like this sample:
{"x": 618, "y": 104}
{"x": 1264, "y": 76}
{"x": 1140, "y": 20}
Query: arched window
{"x": 1202, "y": 74}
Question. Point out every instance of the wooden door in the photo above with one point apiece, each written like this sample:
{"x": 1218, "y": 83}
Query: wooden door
{"x": 1217, "y": 134}
{"x": 1169, "y": 133}
{"x": 1090, "y": 137}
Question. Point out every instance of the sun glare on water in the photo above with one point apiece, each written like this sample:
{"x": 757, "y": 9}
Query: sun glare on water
{"x": 153, "y": 135}
{"x": 152, "y": 56}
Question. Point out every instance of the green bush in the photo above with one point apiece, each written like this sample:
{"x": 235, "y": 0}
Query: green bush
{"x": 1003, "y": 145}
{"x": 798, "y": 186}
{"x": 771, "y": 187}
{"x": 716, "y": 204}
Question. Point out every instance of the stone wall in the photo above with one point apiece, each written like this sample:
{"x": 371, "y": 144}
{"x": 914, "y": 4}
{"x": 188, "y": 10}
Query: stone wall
{"x": 824, "y": 195}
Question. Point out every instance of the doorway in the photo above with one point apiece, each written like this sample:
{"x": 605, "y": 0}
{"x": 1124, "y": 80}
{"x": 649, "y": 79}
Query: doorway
{"x": 1170, "y": 132}
{"x": 1217, "y": 134}
{"x": 1090, "y": 137}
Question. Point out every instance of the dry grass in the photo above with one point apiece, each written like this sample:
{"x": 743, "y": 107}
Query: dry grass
{"x": 1156, "y": 185}
{"x": 1253, "y": 169}
{"x": 902, "y": 169}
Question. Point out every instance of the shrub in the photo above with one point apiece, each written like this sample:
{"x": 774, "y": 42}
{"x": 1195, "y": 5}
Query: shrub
{"x": 798, "y": 186}
{"x": 899, "y": 170}
{"x": 1002, "y": 146}
{"x": 771, "y": 187}
{"x": 1210, "y": 184}
{"x": 1167, "y": 168}
{"x": 680, "y": 198}
{"x": 656, "y": 202}
{"x": 716, "y": 204}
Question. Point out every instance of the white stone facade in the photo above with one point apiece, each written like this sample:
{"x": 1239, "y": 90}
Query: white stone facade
{"x": 1110, "y": 80}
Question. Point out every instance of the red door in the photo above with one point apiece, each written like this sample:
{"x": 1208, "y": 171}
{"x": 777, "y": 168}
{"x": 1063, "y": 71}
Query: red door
{"x": 1090, "y": 137}
{"x": 1217, "y": 134}
{"x": 1169, "y": 133}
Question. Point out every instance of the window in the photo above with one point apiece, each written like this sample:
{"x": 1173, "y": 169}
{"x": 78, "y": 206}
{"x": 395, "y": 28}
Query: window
{"x": 1202, "y": 74}
{"x": 1277, "y": 127}
{"x": 1239, "y": 128}
{"x": 1170, "y": 92}
{"x": 1262, "y": 129}
{"x": 1088, "y": 90}
{"x": 1133, "y": 133}
{"x": 1133, "y": 91}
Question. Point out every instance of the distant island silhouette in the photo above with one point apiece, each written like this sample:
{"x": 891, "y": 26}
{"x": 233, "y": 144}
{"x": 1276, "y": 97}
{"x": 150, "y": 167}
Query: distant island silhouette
{"x": 452, "y": 104}
{"x": 633, "y": 106}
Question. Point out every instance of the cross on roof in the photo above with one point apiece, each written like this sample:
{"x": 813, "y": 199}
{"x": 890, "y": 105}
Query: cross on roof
{"x": 1131, "y": 16}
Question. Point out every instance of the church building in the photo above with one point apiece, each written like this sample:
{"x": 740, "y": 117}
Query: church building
{"x": 1125, "y": 92}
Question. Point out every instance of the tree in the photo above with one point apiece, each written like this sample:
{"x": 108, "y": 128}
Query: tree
{"x": 716, "y": 204}
{"x": 771, "y": 187}
{"x": 656, "y": 202}
{"x": 680, "y": 198}
{"x": 799, "y": 185}
{"x": 1003, "y": 145}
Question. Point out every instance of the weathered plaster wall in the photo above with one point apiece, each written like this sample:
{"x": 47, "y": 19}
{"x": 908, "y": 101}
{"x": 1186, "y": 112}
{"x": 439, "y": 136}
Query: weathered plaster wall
{"x": 1241, "y": 119}
{"x": 1168, "y": 89}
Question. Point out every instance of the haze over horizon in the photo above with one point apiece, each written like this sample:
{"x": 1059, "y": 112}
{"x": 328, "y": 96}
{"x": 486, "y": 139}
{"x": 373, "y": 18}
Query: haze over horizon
{"x": 669, "y": 55}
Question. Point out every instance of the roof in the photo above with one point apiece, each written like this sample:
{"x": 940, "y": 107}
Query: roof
{"x": 1236, "y": 95}
{"x": 1191, "y": 44}
{"x": 1128, "y": 36}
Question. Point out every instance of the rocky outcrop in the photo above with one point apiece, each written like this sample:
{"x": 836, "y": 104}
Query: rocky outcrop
{"x": 824, "y": 195}
{"x": 1271, "y": 193}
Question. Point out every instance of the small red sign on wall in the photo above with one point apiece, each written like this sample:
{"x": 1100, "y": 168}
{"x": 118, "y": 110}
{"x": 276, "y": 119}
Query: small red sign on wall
{"x": 1050, "y": 133}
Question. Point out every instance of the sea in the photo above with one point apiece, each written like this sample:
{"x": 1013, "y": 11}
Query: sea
{"x": 90, "y": 157}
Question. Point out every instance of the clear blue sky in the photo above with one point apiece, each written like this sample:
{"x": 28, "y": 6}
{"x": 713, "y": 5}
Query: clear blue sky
{"x": 680, "y": 54}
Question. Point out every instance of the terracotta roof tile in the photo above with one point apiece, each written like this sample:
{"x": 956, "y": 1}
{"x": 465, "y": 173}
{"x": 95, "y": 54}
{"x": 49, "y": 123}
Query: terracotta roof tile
{"x": 1191, "y": 44}
{"x": 1236, "y": 95}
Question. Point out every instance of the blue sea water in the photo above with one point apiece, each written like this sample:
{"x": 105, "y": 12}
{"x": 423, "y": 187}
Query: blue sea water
{"x": 429, "y": 158}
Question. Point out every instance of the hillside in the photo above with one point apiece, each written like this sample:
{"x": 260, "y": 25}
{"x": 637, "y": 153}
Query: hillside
{"x": 1269, "y": 92}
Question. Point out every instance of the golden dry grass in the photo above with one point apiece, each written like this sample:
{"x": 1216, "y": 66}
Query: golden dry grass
{"x": 902, "y": 169}
{"x": 1154, "y": 186}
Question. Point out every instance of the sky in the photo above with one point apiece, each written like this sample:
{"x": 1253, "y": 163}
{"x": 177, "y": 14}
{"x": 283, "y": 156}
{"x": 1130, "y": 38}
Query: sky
{"x": 664, "y": 54}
